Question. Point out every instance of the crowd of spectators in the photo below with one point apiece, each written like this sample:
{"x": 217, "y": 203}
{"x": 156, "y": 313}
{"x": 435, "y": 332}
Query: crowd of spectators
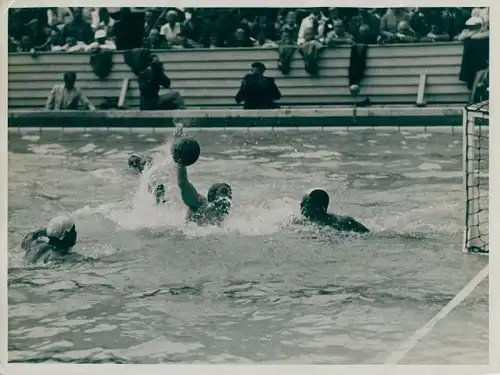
{"x": 83, "y": 29}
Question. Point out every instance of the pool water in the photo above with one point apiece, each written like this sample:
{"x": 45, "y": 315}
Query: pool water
{"x": 260, "y": 289}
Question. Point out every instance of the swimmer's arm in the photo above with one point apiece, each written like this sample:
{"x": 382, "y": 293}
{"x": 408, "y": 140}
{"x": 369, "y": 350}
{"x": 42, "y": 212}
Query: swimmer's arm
{"x": 189, "y": 194}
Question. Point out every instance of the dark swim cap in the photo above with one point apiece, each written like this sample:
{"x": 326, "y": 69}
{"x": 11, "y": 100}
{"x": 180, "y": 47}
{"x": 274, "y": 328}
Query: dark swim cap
{"x": 320, "y": 198}
{"x": 218, "y": 190}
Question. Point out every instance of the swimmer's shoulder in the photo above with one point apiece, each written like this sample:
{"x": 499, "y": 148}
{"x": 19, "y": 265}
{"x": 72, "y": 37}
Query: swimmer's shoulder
{"x": 348, "y": 223}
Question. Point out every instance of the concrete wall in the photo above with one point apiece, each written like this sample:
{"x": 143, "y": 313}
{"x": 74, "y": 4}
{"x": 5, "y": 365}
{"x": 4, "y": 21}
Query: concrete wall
{"x": 211, "y": 78}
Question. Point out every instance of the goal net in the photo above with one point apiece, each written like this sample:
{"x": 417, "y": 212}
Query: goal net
{"x": 476, "y": 167}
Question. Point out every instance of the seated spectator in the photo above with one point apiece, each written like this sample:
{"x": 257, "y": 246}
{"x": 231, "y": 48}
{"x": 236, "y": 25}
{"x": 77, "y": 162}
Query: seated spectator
{"x": 310, "y": 50}
{"x": 418, "y": 22}
{"x": 390, "y": 22}
{"x": 78, "y": 28}
{"x": 151, "y": 80}
{"x": 338, "y": 35}
{"x": 333, "y": 15}
{"x": 263, "y": 25}
{"x": 405, "y": 34}
{"x": 474, "y": 30}
{"x": 26, "y": 44}
{"x": 149, "y": 21}
{"x": 435, "y": 35}
{"x": 263, "y": 42}
{"x": 103, "y": 21}
{"x": 67, "y": 96}
{"x": 214, "y": 42}
{"x": 365, "y": 27}
{"x": 240, "y": 39}
{"x": 258, "y": 91}
{"x": 172, "y": 28}
{"x": 72, "y": 45}
{"x": 183, "y": 42}
{"x": 290, "y": 29}
{"x": 155, "y": 40}
{"x": 314, "y": 21}
{"x": 101, "y": 42}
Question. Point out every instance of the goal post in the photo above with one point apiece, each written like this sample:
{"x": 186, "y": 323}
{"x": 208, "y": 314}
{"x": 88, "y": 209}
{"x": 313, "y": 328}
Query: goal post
{"x": 476, "y": 177}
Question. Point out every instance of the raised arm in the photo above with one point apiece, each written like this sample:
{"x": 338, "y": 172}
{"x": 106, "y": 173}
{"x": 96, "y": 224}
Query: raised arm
{"x": 189, "y": 194}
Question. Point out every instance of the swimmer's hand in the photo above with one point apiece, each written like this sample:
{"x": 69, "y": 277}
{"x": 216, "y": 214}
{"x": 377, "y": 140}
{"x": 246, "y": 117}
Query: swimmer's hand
{"x": 179, "y": 130}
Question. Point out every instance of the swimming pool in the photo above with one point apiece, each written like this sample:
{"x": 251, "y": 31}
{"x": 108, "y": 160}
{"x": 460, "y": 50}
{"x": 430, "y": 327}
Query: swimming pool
{"x": 258, "y": 289}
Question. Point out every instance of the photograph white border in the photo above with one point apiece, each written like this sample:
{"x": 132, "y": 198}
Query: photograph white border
{"x": 494, "y": 212}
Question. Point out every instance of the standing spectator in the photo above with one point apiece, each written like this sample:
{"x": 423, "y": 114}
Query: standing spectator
{"x": 258, "y": 91}
{"x": 104, "y": 21}
{"x": 67, "y": 96}
{"x": 484, "y": 14}
{"x": 78, "y": 29}
{"x": 474, "y": 30}
{"x": 390, "y": 21}
{"x": 315, "y": 21}
{"x": 127, "y": 31}
{"x": 172, "y": 28}
{"x": 36, "y": 33}
{"x": 338, "y": 35}
{"x": 365, "y": 27}
{"x": 458, "y": 17}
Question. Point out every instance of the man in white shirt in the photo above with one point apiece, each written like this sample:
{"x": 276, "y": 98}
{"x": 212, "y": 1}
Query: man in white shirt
{"x": 172, "y": 28}
{"x": 316, "y": 20}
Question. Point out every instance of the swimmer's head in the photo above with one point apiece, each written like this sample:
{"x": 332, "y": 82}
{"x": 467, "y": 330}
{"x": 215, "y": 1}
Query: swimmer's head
{"x": 134, "y": 161}
{"x": 315, "y": 203}
{"x": 220, "y": 195}
{"x": 61, "y": 230}
{"x": 218, "y": 191}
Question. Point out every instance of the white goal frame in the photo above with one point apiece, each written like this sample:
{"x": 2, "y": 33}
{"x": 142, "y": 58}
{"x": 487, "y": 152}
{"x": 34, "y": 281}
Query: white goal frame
{"x": 475, "y": 120}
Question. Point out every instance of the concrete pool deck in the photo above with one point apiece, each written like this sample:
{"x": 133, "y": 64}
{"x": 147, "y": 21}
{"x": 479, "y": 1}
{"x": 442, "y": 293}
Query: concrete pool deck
{"x": 230, "y": 118}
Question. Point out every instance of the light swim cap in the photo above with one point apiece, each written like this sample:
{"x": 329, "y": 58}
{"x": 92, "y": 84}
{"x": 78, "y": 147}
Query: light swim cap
{"x": 59, "y": 226}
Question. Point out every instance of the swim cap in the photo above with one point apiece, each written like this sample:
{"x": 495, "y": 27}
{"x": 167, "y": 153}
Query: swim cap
{"x": 59, "y": 226}
{"x": 319, "y": 197}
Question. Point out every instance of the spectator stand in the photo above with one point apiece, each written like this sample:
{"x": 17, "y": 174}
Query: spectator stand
{"x": 210, "y": 78}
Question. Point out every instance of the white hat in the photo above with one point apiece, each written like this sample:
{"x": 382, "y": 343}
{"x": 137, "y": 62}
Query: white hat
{"x": 100, "y": 34}
{"x": 474, "y": 21}
{"x": 59, "y": 226}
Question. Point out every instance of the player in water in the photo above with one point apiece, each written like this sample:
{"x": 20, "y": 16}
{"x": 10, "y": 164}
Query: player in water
{"x": 140, "y": 164}
{"x": 211, "y": 210}
{"x": 314, "y": 208}
{"x": 52, "y": 243}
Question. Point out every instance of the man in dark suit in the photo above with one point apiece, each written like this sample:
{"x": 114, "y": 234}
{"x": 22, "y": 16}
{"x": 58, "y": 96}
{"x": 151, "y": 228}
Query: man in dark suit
{"x": 258, "y": 91}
